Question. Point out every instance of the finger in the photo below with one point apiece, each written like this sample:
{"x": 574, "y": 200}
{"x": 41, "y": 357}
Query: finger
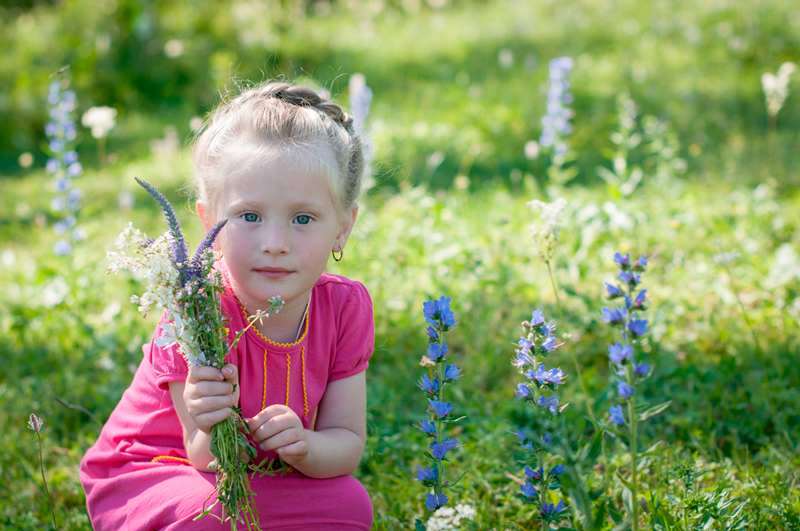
{"x": 265, "y": 415}
{"x": 208, "y": 388}
{"x": 230, "y": 372}
{"x": 212, "y": 418}
{"x": 210, "y": 403}
{"x": 299, "y": 448}
{"x": 281, "y": 439}
{"x": 199, "y": 373}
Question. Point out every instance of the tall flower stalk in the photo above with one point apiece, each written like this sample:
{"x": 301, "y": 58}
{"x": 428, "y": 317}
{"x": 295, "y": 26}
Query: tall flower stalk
{"x": 63, "y": 165}
{"x": 189, "y": 291}
{"x": 35, "y": 423}
{"x": 629, "y": 368}
{"x": 555, "y": 124}
{"x": 535, "y": 346}
{"x": 440, "y": 319}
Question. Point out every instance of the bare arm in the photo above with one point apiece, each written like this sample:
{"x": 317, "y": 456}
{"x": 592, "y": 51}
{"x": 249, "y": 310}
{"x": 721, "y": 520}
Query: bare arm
{"x": 201, "y": 402}
{"x": 334, "y": 448}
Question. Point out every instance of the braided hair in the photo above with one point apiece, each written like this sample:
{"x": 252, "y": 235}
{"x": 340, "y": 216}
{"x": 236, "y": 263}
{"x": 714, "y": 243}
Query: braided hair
{"x": 274, "y": 118}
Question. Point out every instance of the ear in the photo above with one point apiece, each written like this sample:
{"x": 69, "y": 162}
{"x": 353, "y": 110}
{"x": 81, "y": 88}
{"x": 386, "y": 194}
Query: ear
{"x": 204, "y": 214}
{"x": 348, "y": 220}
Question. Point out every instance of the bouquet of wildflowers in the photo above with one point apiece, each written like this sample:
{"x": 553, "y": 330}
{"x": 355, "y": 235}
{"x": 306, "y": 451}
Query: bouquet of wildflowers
{"x": 440, "y": 319}
{"x": 535, "y": 346}
{"x": 189, "y": 290}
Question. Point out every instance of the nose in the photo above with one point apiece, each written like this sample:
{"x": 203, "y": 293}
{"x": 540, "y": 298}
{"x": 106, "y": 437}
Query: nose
{"x": 274, "y": 239}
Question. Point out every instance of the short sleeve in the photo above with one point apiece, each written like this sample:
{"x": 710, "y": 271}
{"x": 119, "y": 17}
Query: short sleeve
{"x": 356, "y": 335}
{"x": 168, "y": 364}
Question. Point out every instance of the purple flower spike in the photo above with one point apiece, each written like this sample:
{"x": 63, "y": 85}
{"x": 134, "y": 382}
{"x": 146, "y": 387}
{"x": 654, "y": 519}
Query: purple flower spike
{"x": 623, "y": 261}
{"x": 427, "y": 427}
{"x": 615, "y": 415}
{"x": 426, "y": 475}
{"x": 549, "y": 510}
{"x": 437, "y": 311}
{"x": 535, "y": 475}
{"x": 525, "y": 344}
{"x": 626, "y": 277}
{"x": 523, "y": 391}
{"x": 624, "y": 390}
{"x": 549, "y": 403}
{"x": 439, "y": 450}
{"x": 642, "y": 370}
{"x": 619, "y": 352}
{"x": 614, "y": 316}
{"x": 557, "y": 471}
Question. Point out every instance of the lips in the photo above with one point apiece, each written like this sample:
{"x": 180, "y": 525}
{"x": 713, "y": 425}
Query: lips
{"x": 273, "y": 272}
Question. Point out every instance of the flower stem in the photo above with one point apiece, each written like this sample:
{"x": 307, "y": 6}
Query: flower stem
{"x": 634, "y": 472}
{"x": 543, "y": 491}
{"x": 49, "y": 498}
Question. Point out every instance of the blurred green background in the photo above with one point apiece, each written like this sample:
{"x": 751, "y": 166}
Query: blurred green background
{"x": 459, "y": 90}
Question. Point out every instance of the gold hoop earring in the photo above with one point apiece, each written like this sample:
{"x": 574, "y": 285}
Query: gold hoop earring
{"x": 341, "y": 254}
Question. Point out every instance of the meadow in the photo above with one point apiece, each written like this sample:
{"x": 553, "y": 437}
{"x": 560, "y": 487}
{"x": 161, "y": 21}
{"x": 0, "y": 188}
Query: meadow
{"x": 668, "y": 106}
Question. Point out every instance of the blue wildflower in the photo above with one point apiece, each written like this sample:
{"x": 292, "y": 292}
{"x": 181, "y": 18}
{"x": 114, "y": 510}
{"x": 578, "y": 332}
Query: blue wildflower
{"x": 431, "y": 386}
{"x": 549, "y": 510}
{"x": 639, "y": 301}
{"x": 535, "y": 475}
{"x": 626, "y": 277}
{"x": 441, "y": 409}
{"x": 436, "y": 351}
{"x": 525, "y": 344}
{"x": 427, "y": 474}
{"x": 641, "y": 263}
{"x": 614, "y": 315}
{"x": 549, "y": 328}
{"x": 638, "y": 327}
{"x": 642, "y": 370}
{"x": 537, "y": 318}
{"x": 427, "y": 427}
{"x": 549, "y": 403}
{"x": 619, "y": 352}
{"x": 546, "y": 438}
{"x": 434, "y": 502}
{"x": 180, "y": 251}
{"x": 523, "y": 391}
{"x": 439, "y": 310}
{"x": 439, "y": 450}
{"x": 613, "y": 291}
{"x": 432, "y": 333}
{"x": 624, "y": 390}
{"x": 451, "y": 373}
{"x": 557, "y": 471}
{"x": 523, "y": 359}
{"x": 615, "y": 415}
{"x": 527, "y": 445}
{"x": 623, "y": 261}
{"x": 530, "y": 492}
{"x": 549, "y": 344}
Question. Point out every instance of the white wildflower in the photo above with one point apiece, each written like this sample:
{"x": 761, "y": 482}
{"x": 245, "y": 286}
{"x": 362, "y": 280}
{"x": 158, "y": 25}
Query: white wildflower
{"x": 449, "y": 519}
{"x": 100, "y": 120}
{"x": 35, "y": 423}
{"x": 776, "y": 87}
{"x": 546, "y": 233}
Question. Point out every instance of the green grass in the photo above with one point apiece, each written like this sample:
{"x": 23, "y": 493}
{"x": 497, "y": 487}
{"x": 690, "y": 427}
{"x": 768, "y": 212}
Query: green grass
{"x": 724, "y": 340}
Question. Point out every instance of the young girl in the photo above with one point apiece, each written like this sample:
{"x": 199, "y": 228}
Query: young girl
{"x": 284, "y": 167}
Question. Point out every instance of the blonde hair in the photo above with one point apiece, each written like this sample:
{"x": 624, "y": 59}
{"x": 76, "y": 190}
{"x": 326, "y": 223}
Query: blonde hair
{"x": 273, "y": 119}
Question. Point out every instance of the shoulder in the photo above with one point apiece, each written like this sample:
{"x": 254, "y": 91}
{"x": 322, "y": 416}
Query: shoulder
{"x": 342, "y": 297}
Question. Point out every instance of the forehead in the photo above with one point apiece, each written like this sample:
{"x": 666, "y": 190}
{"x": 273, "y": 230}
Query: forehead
{"x": 276, "y": 173}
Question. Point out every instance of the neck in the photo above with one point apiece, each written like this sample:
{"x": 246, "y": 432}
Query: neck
{"x": 280, "y": 327}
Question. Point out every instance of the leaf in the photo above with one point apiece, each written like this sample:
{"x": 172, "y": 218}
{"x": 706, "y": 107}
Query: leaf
{"x": 624, "y": 526}
{"x": 655, "y": 410}
{"x": 418, "y": 525}
{"x": 624, "y": 481}
{"x": 658, "y": 447}
{"x": 454, "y": 483}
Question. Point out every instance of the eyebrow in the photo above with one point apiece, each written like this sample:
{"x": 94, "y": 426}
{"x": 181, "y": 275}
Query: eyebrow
{"x": 299, "y": 205}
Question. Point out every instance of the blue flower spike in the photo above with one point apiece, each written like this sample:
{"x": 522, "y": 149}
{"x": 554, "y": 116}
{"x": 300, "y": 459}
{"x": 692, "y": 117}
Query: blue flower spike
{"x": 440, "y": 319}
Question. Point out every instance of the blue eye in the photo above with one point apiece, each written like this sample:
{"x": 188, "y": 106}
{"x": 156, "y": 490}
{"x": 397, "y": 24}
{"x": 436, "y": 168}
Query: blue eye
{"x": 303, "y": 219}
{"x": 250, "y": 217}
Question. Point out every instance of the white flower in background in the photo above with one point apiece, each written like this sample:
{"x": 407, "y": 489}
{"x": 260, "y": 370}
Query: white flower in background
{"x": 546, "y": 233}
{"x": 449, "y": 519}
{"x": 776, "y": 87}
{"x": 100, "y": 120}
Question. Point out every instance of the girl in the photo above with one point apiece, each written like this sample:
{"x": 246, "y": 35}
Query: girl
{"x": 284, "y": 167}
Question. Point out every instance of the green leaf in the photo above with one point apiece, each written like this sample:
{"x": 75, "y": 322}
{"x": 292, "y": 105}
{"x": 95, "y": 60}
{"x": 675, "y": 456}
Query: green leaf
{"x": 418, "y": 525}
{"x": 658, "y": 447}
{"x": 655, "y": 410}
{"x": 624, "y": 481}
{"x": 454, "y": 483}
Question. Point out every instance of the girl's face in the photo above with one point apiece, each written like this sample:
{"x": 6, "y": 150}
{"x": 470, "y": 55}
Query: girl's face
{"x": 282, "y": 226}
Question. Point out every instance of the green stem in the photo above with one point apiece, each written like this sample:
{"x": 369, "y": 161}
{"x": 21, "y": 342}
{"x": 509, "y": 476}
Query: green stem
{"x": 553, "y": 284}
{"x": 49, "y": 498}
{"x": 634, "y": 472}
{"x": 439, "y": 490}
{"x": 543, "y": 493}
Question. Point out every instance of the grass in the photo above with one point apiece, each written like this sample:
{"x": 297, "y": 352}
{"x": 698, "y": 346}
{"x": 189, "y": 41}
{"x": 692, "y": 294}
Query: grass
{"x": 724, "y": 338}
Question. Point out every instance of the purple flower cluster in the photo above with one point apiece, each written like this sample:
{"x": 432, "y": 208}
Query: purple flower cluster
{"x": 555, "y": 124}
{"x": 440, "y": 319}
{"x": 537, "y": 343}
{"x": 64, "y": 166}
{"x": 625, "y": 317}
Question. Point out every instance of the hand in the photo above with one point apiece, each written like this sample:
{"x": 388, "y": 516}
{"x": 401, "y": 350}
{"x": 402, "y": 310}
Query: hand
{"x": 209, "y": 394}
{"x": 279, "y": 428}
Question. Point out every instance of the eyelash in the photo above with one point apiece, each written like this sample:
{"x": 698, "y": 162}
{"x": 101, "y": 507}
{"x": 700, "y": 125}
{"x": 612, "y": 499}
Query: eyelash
{"x": 246, "y": 215}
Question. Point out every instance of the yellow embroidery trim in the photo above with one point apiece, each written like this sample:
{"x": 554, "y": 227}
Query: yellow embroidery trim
{"x": 264, "y": 396}
{"x": 288, "y": 372}
{"x": 305, "y": 397}
{"x": 161, "y": 457}
{"x": 259, "y": 334}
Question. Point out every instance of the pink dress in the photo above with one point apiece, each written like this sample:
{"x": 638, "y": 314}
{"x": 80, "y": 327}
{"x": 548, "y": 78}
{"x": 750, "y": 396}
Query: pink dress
{"x": 136, "y": 476}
